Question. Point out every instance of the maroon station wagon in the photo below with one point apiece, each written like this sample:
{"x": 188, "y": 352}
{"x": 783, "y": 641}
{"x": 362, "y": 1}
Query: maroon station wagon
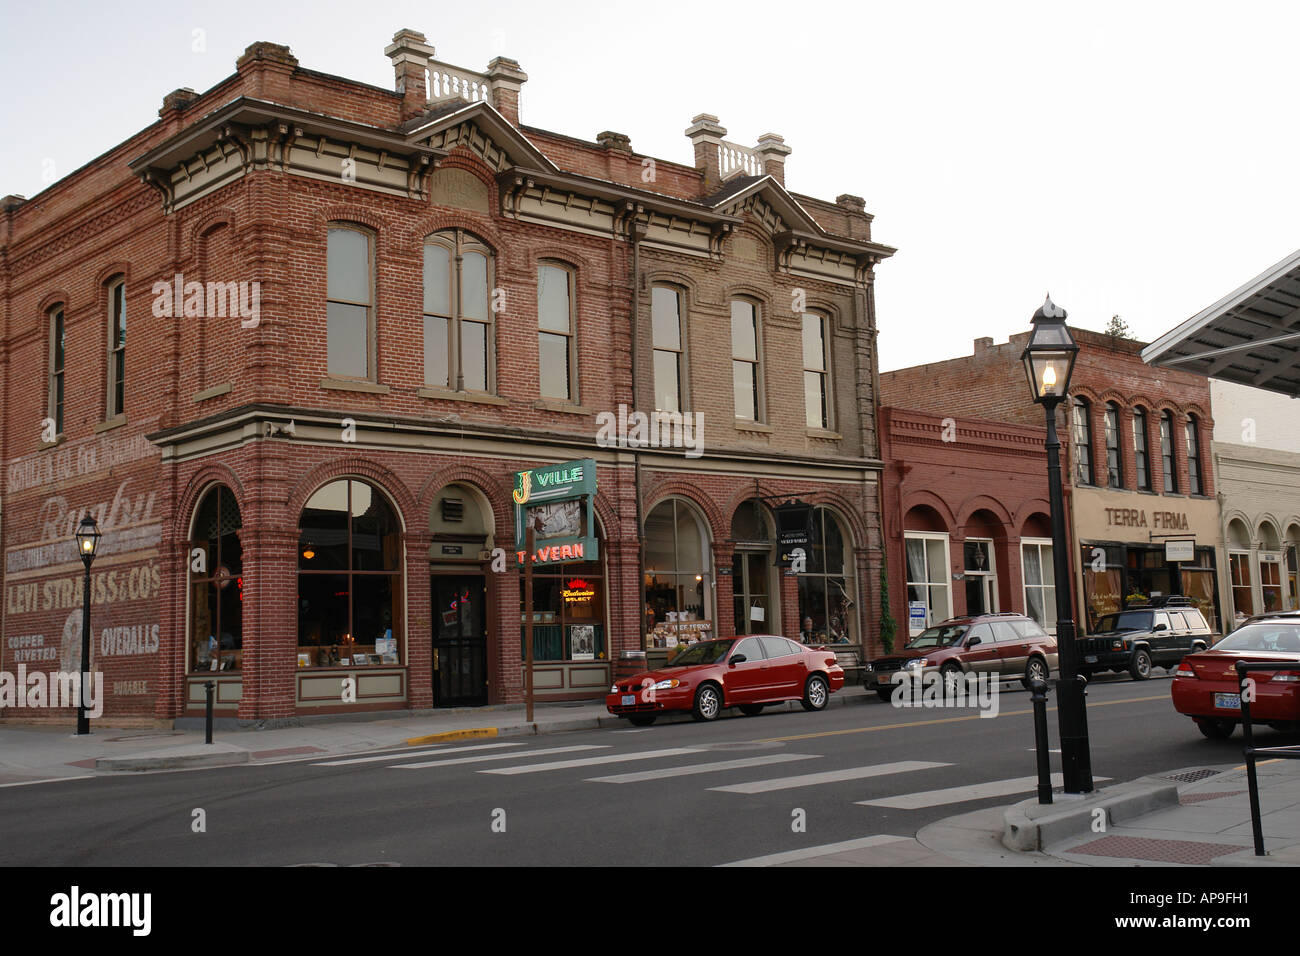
{"x": 745, "y": 672}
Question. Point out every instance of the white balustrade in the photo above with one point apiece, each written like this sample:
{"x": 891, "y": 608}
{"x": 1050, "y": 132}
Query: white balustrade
{"x": 446, "y": 82}
{"x": 734, "y": 159}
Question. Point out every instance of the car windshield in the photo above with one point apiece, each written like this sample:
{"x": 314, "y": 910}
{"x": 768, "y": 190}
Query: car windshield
{"x": 944, "y": 635}
{"x": 1127, "y": 621}
{"x": 705, "y": 652}
{"x": 1264, "y": 636}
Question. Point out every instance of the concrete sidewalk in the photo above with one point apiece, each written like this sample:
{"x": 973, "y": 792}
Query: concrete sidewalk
{"x": 34, "y": 753}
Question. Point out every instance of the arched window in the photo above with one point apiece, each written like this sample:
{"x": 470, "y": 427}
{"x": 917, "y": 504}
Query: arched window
{"x": 349, "y": 316}
{"x": 1167, "y": 452}
{"x": 678, "y": 582}
{"x": 1082, "y": 441}
{"x": 116, "y": 348}
{"x": 1141, "y": 456}
{"x": 557, "y": 358}
{"x": 55, "y": 366}
{"x": 1194, "y": 485}
{"x": 216, "y": 584}
{"x": 1114, "y": 464}
{"x": 746, "y": 368}
{"x": 459, "y": 350}
{"x": 826, "y": 588}
{"x": 349, "y": 577}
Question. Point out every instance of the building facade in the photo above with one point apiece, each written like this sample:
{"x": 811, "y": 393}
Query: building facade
{"x": 292, "y": 345}
{"x": 1135, "y": 447}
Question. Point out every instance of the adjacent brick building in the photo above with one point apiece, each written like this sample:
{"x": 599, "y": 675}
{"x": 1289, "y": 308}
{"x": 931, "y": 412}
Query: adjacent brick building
{"x": 1136, "y": 448}
{"x": 291, "y": 343}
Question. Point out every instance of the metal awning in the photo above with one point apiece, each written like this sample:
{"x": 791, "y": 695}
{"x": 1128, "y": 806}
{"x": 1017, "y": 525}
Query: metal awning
{"x": 1251, "y": 336}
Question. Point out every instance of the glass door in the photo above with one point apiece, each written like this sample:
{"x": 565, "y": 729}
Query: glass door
{"x": 750, "y": 579}
{"x": 459, "y": 640}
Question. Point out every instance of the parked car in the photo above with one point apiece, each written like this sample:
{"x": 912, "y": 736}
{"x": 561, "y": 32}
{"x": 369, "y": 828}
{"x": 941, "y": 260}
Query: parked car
{"x": 745, "y": 672}
{"x": 1142, "y": 637}
{"x": 1205, "y": 685}
{"x": 1008, "y": 645}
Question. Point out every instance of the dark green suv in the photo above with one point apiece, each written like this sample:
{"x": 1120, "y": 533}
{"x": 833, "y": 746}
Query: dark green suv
{"x": 1143, "y": 637}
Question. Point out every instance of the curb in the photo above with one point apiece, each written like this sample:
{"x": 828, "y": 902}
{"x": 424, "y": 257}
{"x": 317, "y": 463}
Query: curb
{"x": 226, "y": 758}
{"x": 452, "y": 735}
{"x": 1027, "y": 831}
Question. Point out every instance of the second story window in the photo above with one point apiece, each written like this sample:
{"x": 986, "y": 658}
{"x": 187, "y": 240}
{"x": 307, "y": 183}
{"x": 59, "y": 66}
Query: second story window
{"x": 55, "y": 404}
{"x": 1141, "y": 458}
{"x": 350, "y": 283}
{"x": 555, "y": 352}
{"x": 816, "y": 377}
{"x": 744, "y": 359}
{"x": 116, "y": 348}
{"x": 666, "y": 319}
{"x": 457, "y": 317}
{"x": 1194, "y": 486}
{"x": 1167, "y": 451}
{"x": 1082, "y": 432}
{"x": 1114, "y": 466}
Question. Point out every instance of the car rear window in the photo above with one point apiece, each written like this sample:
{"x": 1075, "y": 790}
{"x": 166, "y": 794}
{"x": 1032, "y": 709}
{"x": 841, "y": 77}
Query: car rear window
{"x": 1028, "y": 629}
{"x": 1264, "y": 636}
{"x": 777, "y": 647}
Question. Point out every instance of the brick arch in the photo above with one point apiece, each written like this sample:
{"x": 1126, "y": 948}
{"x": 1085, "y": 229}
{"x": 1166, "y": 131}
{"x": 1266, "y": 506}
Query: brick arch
{"x": 1028, "y": 510}
{"x": 682, "y": 280}
{"x": 1113, "y": 395}
{"x": 200, "y": 483}
{"x": 1084, "y": 392}
{"x": 740, "y": 496}
{"x": 749, "y": 290}
{"x": 608, "y": 516}
{"x": 719, "y": 528}
{"x": 112, "y": 271}
{"x": 348, "y": 213}
{"x": 981, "y": 502}
{"x": 1257, "y": 530}
{"x": 431, "y": 222}
{"x": 568, "y": 255}
{"x": 816, "y": 302}
{"x": 221, "y": 216}
{"x": 353, "y": 467}
{"x": 1143, "y": 400}
{"x": 57, "y": 297}
{"x": 915, "y": 498}
{"x": 462, "y": 157}
{"x": 1194, "y": 408}
{"x": 488, "y": 484}
{"x": 846, "y": 512}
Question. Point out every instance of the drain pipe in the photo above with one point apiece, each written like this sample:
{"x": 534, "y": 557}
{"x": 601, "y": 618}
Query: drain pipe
{"x": 636, "y": 231}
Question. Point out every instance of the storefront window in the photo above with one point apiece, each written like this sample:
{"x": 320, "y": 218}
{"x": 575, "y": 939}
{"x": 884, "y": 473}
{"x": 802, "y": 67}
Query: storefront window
{"x": 928, "y": 597}
{"x": 1270, "y": 581}
{"x": 1199, "y": 586}
{"x": 216, "y": 584}
{"x": 1040, "y": 582}
{"x": 349, "y": 578}
{"x": 678, "y": 602}
{"x": 1293, "y": 597}
{"x": 825, "y": 607}
{"x": 981, "y": 576}
{"x": 1103, "y": 582}
{"x": 1243, "y": 601}
{"x": 568, "y": 614}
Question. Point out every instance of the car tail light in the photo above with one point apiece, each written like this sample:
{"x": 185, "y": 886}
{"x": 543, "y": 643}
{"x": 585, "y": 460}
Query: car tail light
{"x": 1287, "y": 678}
{"x": 1184, "y": 671}
{"x": 831, "y": 661}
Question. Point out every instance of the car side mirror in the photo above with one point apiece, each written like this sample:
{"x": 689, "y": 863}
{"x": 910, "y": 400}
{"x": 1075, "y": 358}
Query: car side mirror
{"x": 1160, "y": 627}
{"x": 737, "y": 659}
{"x": 972, "y": 642}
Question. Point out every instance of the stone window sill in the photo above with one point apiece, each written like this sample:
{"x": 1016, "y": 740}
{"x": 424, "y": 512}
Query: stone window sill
{"x": 743, "y": 425}
{"x": 349, "y": 385}
{"x": 212, "y": 392}
{"x": 58, "y": 440}
{"x": 110, "y": 424}
{"x": 555, "y": 405}
{"x": 823, "y": 434}
{"x": 476, "y": 398}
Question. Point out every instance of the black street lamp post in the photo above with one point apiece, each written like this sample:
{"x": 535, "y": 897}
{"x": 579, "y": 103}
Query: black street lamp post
{"x": 1049, "y": 361}
{"x": 87, "y": 541}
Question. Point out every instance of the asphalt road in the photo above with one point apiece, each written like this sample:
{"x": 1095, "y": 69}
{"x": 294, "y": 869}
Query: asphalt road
{"x": 507, "y": 802}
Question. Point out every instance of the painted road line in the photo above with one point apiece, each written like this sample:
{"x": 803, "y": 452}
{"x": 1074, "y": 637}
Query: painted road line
{"x": 417, "y": 753}
{"x": 686, "y": 769}
{"x": 482, "y": 758}
{"x": 1092, "y": 705}
{"x": 591, "y": 761}
{"x": 826, "y": 849}
{"x": 974, "y": 791}
{"x": 830, "y": 776}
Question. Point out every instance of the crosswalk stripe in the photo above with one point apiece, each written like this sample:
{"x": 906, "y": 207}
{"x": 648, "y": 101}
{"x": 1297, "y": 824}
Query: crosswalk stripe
{"x": 830, "y": 776}
{"x": 974, "y": 791}
{"x": 589, "y": 761}
{"x": 414, "y": 753}
{"x": 485, "y": 757}
{"x": 793, "y": 856}
{"x": 686, "y": 769}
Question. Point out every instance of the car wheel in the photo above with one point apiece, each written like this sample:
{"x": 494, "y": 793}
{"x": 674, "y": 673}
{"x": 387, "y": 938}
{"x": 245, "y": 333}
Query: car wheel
{"x": 1036, "y": 669}
{"x": 1085, "y": 674}
{"x": 751, "y": 710}
{"x": 1216, "y": 728}
{"x": 1140, "y": 668}
{"x": 642, "y": 720}
{"x": 815, "y": 693}
{"x": 708, "y": 703}
{"x": 951, "y": 675}
{"x": 885, "y": 695}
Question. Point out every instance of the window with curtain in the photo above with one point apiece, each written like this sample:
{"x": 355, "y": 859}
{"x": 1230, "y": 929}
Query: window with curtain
{"x": 744, "y": 359}
{"x": 1193, "y": 456}
{"x": 816, "y": 377}
{"x": 350, "y": 281}
{"x": 1082, "y": 431}
{"x": 1040, "y": 582}
{"x": 1141, "y": 457}
{"x": 556, "y": 355}
{"x": 1114, "y": 464}
{"x": 1243, "y": 597}
{"x": 928, "y": 578}
{"x": 458, "y": 327}
{"x": 216, "y": 584}
{"x": 1167, "y": 452}
{"x": 349, "y": 577}
{"x": 666, "y": 322}
{"x": 117, "y": 347}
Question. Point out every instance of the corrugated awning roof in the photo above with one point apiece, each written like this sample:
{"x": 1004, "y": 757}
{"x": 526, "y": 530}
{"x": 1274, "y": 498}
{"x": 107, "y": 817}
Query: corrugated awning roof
{"x": 1251, "y": 336}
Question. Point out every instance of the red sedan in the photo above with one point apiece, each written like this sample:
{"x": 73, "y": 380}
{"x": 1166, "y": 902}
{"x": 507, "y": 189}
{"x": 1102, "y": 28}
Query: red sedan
{"x": 1205, "y": 686}
{"x": 744, "y": 672}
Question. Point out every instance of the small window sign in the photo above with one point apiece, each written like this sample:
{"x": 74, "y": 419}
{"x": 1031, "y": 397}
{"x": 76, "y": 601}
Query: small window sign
{"x": 1180, "y": 550}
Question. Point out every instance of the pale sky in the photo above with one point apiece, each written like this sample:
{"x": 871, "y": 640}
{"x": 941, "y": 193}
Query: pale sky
{"x": 1130, "y": 158}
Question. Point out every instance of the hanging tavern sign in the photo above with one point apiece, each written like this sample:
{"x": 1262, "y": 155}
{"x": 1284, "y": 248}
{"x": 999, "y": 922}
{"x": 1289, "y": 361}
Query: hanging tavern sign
{"x": 556, "y": 500}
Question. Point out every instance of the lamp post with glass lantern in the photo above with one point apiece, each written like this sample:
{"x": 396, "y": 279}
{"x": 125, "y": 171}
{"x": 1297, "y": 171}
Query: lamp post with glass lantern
{"x": 87, "y": 542}
{"x": 1049, "y": 362}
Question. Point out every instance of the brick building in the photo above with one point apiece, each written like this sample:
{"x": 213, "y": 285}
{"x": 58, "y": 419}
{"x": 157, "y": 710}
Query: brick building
{"x": 291, "y": 344}
{"x": 1136, "y": 450}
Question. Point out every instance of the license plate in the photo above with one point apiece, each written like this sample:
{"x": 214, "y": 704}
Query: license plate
{"x": 1090, "y": 659}
{"x": 1228, "y": 701}
{"x": 629, "y": 700}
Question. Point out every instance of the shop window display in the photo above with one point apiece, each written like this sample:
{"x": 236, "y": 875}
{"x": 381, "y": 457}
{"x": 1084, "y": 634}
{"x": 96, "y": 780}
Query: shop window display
{"x": 216, "y": 584}
{"x": 678, "y": 600}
